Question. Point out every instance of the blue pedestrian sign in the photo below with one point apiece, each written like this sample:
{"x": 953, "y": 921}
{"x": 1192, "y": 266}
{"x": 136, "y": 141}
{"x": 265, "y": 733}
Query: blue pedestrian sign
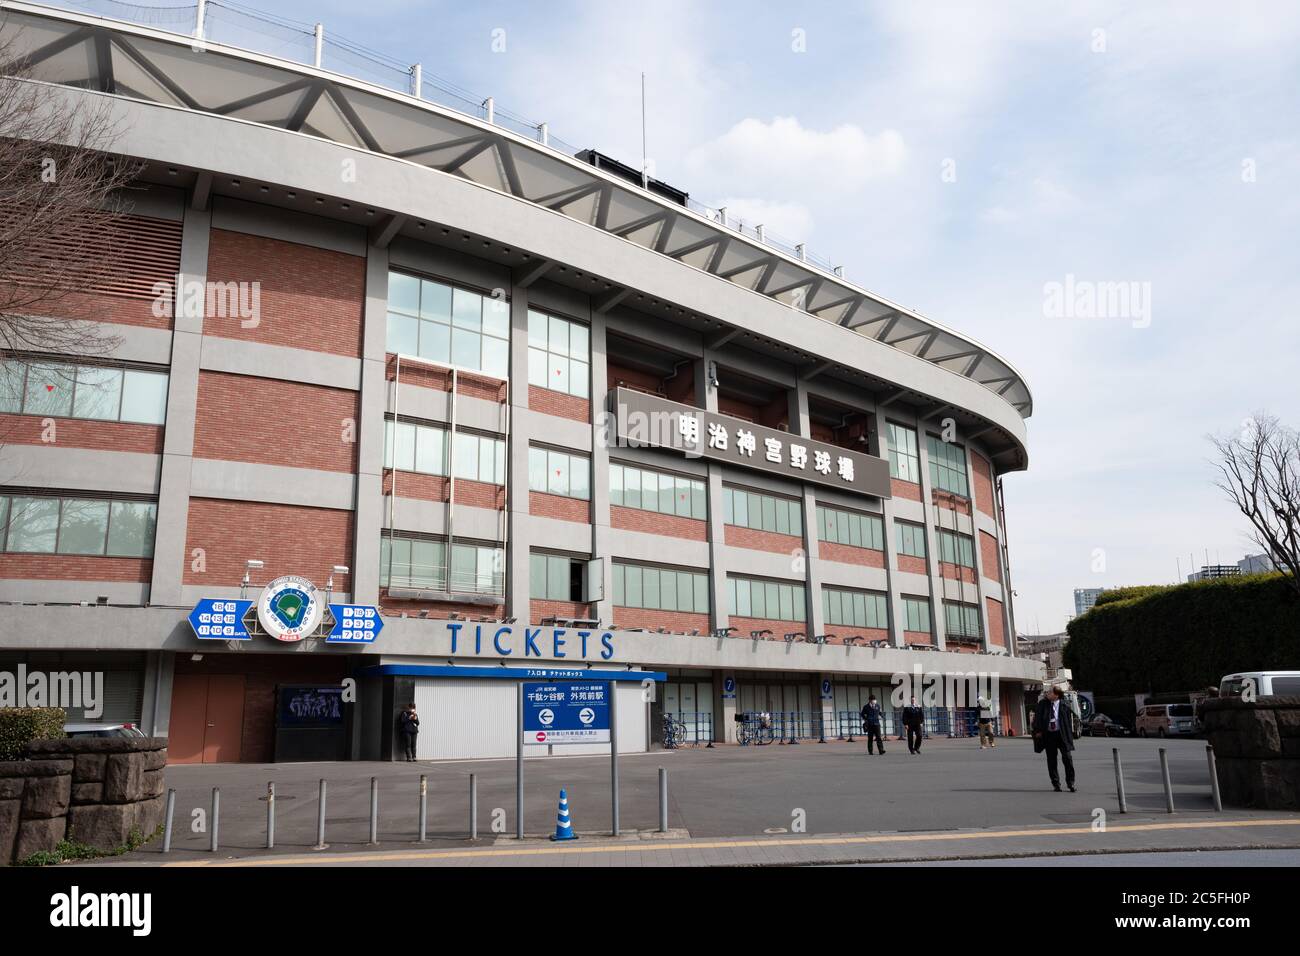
{"x": 567, "y": 712}
{"x": 354, "y": 624}
{"x": 216, "y": 619}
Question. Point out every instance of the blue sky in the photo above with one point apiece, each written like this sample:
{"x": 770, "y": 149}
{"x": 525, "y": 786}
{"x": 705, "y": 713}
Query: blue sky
{"x": 1152, "y": 143}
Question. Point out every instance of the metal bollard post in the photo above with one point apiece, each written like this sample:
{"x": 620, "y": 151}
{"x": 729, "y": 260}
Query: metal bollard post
{"x": 320, "y": 817}
{"x": 215, "y": 818}
{"x": 424, "y": 805}
{"x": 821, "y": 727}
{"x": 374, "y": 810}
{"x": 270, "y": 815}
{"x": 1214, "y": 778}
{"x": 663, "y": 800}
{"x": 1164, "y": 772}
{"x": 167, "y": 821}
{"x": 473, "y": 806}
{"x": 1119, "y": 781}
{"x": 709, "y": 745}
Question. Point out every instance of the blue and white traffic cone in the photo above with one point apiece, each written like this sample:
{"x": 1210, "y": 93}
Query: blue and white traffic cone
{"x": 563, "y": 828}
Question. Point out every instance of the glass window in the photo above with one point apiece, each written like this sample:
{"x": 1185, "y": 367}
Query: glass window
{"x": 699, "y": 506}
{"x": 49, "y": 390}
{"x": 403, "y": 294}
{"x": 13, "y": 374}
{"x": 430, "y": 451}
{"x": 455, "y": 326}
{"x": 632, "y": 487}
{"x": 911, "y": 539}
{"x": 83, "y": 526}
{"x": 33, "y": 524}
{"x": 616, "y": 484}
{"x": 559, "y": 354}
{"x": 620, "y": 599}
{"x": 557, "y": 473}
{"x": 904, "y": 457}
{"x": 98, "y": 393}
{"x": 144, "y": 397}
{"x": 403, "y": 334}
{"x": 435, "y": 301}
{"x": 131, "y": 528}
{"x": 579, "y": 477}
{"x": 465, "y": 456}
{"x": 466, "y": 310}
{"x": 947, "y": 465}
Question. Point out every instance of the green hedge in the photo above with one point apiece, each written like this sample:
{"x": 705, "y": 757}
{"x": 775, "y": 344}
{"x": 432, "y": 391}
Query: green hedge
{"x": 21, "y": 725}
{"x": 1112, "y": 595}
{"x": 1156, "y": 639}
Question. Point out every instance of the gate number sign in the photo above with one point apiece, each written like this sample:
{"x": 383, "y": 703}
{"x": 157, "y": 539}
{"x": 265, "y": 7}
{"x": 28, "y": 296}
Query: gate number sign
{"x": 566, "y": 712}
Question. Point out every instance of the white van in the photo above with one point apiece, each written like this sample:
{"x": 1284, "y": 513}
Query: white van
{"x": 1267, "y": 683}
{"x": 1166, "y": 720}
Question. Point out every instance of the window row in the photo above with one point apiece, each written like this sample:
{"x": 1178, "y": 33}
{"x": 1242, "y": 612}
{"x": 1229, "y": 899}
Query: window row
{"x": 559, "y": 354}
{"x": 911, "y": 539}
{"x": 750, "y": 597}
{"x": 916, "y": 615}
{"x": 947, "y": 466}
{"x": 36, "y": 525}
{"x": 453, "y": 326}
{"x": 961, "y": 620}
{"x": 657, "y": 491}
{"x": 851, "y": 528}
{"x": 904, "y": 456}
{"x": 83, "y": 391}
{"x": 423, "y": 449}
{"x": 420, "y": 563}
{"x": 855, "y": 608}
{"x": 746, "y": 509}
{"x": 661, "y": 589}
{"x": 956, "y": 548}
{"x": 559, "y": 473}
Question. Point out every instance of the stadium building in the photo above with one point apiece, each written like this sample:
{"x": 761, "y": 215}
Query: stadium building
{"x": 406, "y": 391}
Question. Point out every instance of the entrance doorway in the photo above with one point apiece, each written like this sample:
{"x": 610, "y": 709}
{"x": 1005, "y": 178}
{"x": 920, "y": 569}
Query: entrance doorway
{"x": 207, "y": 721}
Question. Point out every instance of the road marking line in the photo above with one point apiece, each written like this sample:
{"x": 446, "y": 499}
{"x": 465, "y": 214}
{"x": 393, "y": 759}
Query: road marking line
{"x": 646, "y": 846}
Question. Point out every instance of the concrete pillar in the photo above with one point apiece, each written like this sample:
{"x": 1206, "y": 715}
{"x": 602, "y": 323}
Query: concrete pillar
{"x": 170, "y": 558}
{"x": 931, "y": 540}
{"x": 801, "y": 425}
{"x": 897, "y": 618}
{"x": 826, "y": 702}
{"x": 977, "y": 550}
{"x": 157, "y": 706}
{"x": 706, "y": 397}
{"x": 724, "y": 707}
{"x": 602, "y": 544}
{"x": 364, "y": 583}
{"x": 517, "y": 585}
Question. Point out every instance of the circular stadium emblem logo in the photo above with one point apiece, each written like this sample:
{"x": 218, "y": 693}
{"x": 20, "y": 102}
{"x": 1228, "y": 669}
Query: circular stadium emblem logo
{"x": 289, "y": 609}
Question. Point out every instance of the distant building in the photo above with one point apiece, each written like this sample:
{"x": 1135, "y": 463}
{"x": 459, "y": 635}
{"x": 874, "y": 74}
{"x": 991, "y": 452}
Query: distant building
{"x": 1032, "y": 644}
{"x": 1215, "y": 571}
{"x": 1084, "y": 599}
{"x": 1255, "y": 564}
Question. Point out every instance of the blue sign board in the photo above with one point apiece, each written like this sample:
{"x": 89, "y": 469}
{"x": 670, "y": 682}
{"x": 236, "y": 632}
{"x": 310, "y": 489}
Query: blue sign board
{"x": 567, "y": 712}
{"x": 354, "y": 624}
{"x": 826, "y": 689}
{"x": 215, "y": 619}
{"x": 728, "y": 688}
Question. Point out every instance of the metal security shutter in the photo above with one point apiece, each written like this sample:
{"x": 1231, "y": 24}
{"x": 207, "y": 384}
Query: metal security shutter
{"x": 123, "y": 689}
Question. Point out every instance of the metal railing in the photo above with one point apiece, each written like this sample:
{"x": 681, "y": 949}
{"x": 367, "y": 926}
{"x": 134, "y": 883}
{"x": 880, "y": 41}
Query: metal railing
{"x": 232, "y": 24}
{"x": 938, "y": 722}
{"x": 690, "y": 729}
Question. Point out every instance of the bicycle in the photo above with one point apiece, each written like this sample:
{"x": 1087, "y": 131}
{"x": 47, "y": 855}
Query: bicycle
{"x": 756, "y": 729}
{"x": 674, "y": 732}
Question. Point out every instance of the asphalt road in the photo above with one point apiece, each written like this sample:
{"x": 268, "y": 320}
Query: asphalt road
{"x": 726, "y": 791}
{"x": 1289, "y": 858}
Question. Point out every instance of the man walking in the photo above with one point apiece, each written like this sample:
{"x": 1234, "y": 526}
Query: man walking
{"x": 408, "y": 724}
{"x": 985, "y": 720}
{"x": 914, "y": 721}
{"x": 1054, "y": 732}
{"x": 871, "y": 719}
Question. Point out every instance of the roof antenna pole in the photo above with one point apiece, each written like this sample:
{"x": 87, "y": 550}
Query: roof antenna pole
{"x": 198, "y": 19}
{"x": 320, "y": 42}
{"x": 645, "y": 181}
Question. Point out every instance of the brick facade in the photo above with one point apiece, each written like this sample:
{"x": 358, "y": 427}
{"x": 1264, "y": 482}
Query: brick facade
{"x": 82, "y": 433}
{"x": 231, "y": 532}
{"x": 241, "y": 418}
{"x": 74, "y": 567}
{"x": 904, "y": 489}
{"x": 475, "y": 494}
{"x": 309, "y": 298}
{"x": 955, "y": 572}
{"x": 950, "y": 502}
{"x": 911, "y": 564}
{"x": 982, "y": 480}
{"x": 678, "y": 622}
{"x": 848, "y": 554}
{"x": 738, "y": 537}
{"x": 779, "y": 629}
{"x": 539, "y": 609}
{"x": 918, "y": 637}
{"x": 997, "y": 626}
{"x": 558, "y": 506}
{"x": 559, "y": 404}
{"x": 989, "y": 557}
{"x": 651, "y": 522}
{"x": 438, "y": 610}
{"x": 468, "y": 384}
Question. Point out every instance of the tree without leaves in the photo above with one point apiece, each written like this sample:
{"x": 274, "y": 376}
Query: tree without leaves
{"x": 1260, "y": 469}
{"x": 61, "y": 211}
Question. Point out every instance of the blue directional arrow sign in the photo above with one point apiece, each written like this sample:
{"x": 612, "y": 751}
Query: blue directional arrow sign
{"x": 354, "y": 624}
{"x": 217, "y": 619}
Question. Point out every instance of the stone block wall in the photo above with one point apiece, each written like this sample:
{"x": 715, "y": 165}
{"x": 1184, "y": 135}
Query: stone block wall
{"x": 89, "y": 790}
{"x": 1257, "y": 749}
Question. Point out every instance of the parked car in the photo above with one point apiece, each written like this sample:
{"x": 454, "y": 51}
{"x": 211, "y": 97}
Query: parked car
{"x": 1166, "y": 720}
{"x": 90, "y": 729}
{"x": 1103, "y": 726}
{"x": 1267, "y": 683}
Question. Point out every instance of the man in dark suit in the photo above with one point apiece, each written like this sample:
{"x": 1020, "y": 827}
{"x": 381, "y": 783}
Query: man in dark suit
{"x": 871, "y": 716}
{"x": 914, "y": 721}
{"x": 1054, "y": 732}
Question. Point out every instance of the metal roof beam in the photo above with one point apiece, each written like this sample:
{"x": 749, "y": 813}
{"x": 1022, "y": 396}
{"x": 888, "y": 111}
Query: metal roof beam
{"x": 202, "y": 191}
{"x": 722, "y": 338}
{"x": 508, "y": 166}
{"x": 610, "y": 299}
{"x": 525, "y": 277}
{"x": 448, "y": 144}
{"x": 630, "y": 227}
{"x": 387, "y": 231}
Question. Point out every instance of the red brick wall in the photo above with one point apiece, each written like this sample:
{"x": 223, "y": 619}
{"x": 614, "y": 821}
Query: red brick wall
{"x": 989, "y": 557}
{"x": 560, "y": 404}
{"x": 650, "y": 522}
{"x": 538, "y": 609}
{"x": 110, "y": 308}
{"x": 847, "y": 553}
{"x": 997, "y": 627}
{"x": 842, "y": 631}
{"x": 982, "y": 480}
{"x": 242, "y": 418}
{"x": 682, "y": 622}
{"x": 950, "y": 502}
{"x": 558, "y": 506}
{"x": 438, "y": 610}
{"x": 918, "y": 637}
{"x": 955, "y": 572}
{"x": 738, "y": 537}
{"x": 80, "y": 433}
{"x": 904, "y": 489}
{"x": 779, "y": 629}
{"x": 467, "y": 383}
{"x": 475, "y": 494}
{"x": 72, "y": 567}
{"x": 309, "y": 298}
{"x": 912, "y": 564}
{"x": 262, "y": 673}
{"x": 289, "y": 539}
